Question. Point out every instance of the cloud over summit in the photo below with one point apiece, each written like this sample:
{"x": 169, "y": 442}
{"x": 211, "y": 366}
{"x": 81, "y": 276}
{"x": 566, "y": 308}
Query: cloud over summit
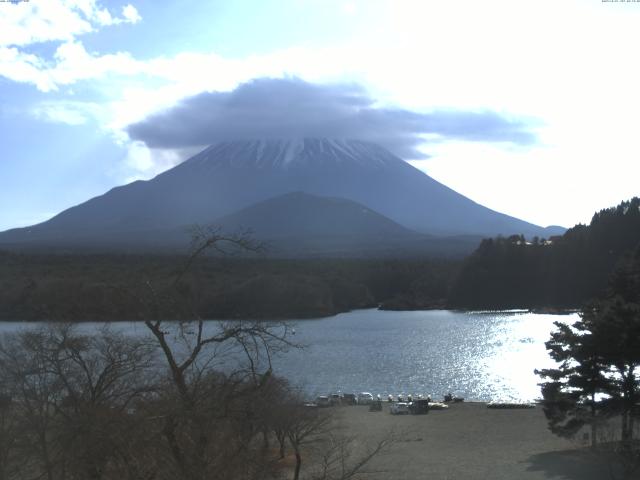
{"x": 293, "y": 108}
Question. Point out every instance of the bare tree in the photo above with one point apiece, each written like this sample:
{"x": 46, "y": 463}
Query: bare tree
{"x": 215, "y": 369}
{"x": 339, "y": 460}
{"x": 8, "y": 434}
{"x": 72, "y": 395}
{"x": 313, "y": 432}
{"x": 305, "y": 425}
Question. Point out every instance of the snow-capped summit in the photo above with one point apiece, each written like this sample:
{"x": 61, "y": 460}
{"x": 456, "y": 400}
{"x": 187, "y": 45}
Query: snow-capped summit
{"x": 294, "y": 153}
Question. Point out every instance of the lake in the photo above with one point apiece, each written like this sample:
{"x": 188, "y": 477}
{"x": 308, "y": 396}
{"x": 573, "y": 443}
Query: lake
{"x": 480, "y": 356}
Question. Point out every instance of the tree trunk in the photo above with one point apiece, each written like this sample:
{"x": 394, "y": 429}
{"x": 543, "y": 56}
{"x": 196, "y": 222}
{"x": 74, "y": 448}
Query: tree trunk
{"x": 296, "y": 474}
{"x": 624, "y": 436}
{"x": 281, "y": 437}
{"x": 169, "y": 434}
{"x": 594, "y": 420}
{"x": 45, "y": 454}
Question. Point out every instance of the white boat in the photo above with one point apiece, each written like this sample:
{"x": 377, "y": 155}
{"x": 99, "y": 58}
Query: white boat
{"x": 365, "y": 398}
{"x": 510, "y": 405}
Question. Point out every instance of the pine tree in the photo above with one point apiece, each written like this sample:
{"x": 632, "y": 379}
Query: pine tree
{"x": 572, "y": 394}
{"x": 599, "y": 361}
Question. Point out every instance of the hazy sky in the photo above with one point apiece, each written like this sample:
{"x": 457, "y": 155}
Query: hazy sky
{"x": 530, "y": 107}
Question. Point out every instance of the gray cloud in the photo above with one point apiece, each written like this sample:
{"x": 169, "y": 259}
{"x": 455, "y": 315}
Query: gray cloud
{"x": 290, "y": 107}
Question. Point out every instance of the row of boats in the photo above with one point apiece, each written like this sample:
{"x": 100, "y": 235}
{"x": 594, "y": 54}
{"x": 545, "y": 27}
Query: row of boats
{"x": 399, "y": 404}
{"x": 405, "y": 403}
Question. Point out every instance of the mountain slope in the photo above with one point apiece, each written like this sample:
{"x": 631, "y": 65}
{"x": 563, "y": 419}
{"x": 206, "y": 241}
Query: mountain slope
{"x": 229, "y": 176}
{"x": 299, "y": 214}
{"x": 299, "y": 224}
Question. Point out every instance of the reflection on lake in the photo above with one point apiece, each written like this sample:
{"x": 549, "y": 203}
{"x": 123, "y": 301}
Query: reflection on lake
{"x": 478, "y": 355}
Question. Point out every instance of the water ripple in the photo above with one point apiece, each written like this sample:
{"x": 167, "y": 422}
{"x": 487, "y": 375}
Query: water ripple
{"x": 481, "y": 355}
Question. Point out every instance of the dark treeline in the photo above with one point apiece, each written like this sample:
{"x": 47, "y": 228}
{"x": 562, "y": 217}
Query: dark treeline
{"x": 505, "y": 272}
{"x": 561, "y": 272}
{"x": 100, "y": 287}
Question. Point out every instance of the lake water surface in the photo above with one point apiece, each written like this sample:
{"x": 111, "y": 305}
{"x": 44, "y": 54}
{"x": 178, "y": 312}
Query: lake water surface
{"x": 478, "y": 355}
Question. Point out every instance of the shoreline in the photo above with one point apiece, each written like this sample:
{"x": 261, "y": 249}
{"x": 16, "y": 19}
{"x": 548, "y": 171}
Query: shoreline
{"x": 302, "y": 318}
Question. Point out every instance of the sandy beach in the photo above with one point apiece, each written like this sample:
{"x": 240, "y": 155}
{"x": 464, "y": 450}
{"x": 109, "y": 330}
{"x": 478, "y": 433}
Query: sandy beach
{"x": 470, "y": 441}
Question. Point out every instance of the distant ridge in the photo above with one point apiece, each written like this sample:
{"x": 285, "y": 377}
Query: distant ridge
{"x": 300, "y": 214}
{"x": 300, "y": 224}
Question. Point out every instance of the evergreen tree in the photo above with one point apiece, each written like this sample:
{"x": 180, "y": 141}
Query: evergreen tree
{"x": 599, "y": 361}
{"x": 616, "y": 322}
{"x": 563, "y": 272}
{"x": 571, "y": 396}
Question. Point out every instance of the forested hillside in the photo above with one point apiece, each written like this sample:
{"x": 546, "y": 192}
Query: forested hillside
{"x": 121, "y": 287}
{"x": 504, "y": 272}
{"x": 560, "y": 272}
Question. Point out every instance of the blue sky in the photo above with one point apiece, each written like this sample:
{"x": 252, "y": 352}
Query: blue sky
{"x": 76, "y": 76}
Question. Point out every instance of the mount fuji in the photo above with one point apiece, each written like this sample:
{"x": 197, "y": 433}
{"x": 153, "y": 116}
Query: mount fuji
{"x": 222, "y": 182}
